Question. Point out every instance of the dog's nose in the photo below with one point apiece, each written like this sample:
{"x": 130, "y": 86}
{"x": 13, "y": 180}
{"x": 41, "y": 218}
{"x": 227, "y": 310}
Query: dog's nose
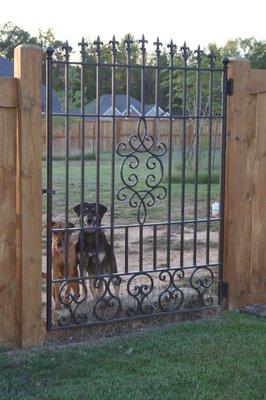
{"x": 59, "y": 243}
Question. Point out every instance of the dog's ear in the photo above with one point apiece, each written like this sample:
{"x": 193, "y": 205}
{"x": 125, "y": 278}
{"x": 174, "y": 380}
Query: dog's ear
{"x": 102, "y": 210}
{"x": 77, "y": 209}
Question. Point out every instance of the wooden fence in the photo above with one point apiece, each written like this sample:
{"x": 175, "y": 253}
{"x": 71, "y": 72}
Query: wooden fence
{"x": 245, "y": 190}
{"x": 159, "y": 129}
{"x": 20, "y": 212}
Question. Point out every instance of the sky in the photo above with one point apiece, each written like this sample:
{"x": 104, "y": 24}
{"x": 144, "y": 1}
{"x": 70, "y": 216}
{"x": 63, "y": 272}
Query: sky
{"x": 196, "y": 22}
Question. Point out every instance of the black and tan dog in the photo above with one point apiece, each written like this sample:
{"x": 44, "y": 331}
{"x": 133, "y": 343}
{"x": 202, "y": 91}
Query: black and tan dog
{"x": 106, "y": 258}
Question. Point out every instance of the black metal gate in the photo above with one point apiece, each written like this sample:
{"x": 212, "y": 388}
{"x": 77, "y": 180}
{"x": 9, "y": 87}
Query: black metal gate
{"x": 134, "y": 226}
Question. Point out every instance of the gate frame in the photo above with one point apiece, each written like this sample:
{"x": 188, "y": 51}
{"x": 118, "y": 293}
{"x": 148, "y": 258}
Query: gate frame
{"x": 65, "y": 323}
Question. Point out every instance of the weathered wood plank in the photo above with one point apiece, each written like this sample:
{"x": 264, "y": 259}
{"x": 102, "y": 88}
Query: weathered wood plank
{"x": 27, "y": 69}
{"x": 258, "y": 262}
{"x": 239, "y": 185}
{"x": 254, "y": 298}
{"x": 257, "y": 81}
{"x": 8, "y": 92}
{"x": 8, "y": 279}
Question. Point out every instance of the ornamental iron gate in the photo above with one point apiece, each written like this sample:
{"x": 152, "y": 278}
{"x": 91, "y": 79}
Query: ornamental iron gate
{"x": 135, "y": 231}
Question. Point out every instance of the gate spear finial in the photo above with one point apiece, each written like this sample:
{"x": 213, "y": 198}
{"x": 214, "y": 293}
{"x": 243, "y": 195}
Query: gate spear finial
{"x": 157, "y": 45}
{"x": 67, "y": 50}
{"x": 83, "y": 46}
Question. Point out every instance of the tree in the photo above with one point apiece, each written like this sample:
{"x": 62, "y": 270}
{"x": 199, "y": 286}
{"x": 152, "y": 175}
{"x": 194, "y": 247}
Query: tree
{"x": 11, "y": 36}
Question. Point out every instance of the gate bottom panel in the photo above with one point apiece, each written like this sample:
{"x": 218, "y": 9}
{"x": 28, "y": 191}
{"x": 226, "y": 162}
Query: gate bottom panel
{"x": 121, "y": 297}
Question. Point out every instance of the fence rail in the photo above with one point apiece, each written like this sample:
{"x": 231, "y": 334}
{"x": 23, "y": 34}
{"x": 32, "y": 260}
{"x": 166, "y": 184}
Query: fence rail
{"x": 159, "y": 129}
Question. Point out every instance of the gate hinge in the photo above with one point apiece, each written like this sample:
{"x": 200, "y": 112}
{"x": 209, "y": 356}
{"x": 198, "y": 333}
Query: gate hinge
{"x": 230, "y": 87}
{"x": 222, "y": 290}
{"x": 46, "y": 191}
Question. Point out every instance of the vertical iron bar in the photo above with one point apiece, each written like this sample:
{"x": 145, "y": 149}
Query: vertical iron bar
{"x": 222, "y": 179}
{"x": 185, "y": 54}
{"x": 113, "y": 43}
{"x": 172, "y": 49}
{"x": 82, "y": 160}
{"x": 209, "y": 161}
{"x": 141, "y": 247}
{"x": 142, "y": 81}
{"x": 126, "y": 249}
{"x": 128, "y": 43}
{"x": 98, "y": 45}
{"x": 196, "y": 155}
{"x": 67, "y": 49}
{"x": 154, "y": 247}
{"x": 49, "y": 205}
{"x": 158, "y": 53}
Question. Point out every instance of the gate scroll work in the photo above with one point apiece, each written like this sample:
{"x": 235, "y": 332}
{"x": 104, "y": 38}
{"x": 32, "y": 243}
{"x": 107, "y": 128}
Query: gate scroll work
{"x": 145, "y": 198}
{"x": 160, "y": 227}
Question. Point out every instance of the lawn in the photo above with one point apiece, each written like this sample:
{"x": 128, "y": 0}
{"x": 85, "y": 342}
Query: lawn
{"x": 221, "y": 357}
{"x": 123, "y": 212}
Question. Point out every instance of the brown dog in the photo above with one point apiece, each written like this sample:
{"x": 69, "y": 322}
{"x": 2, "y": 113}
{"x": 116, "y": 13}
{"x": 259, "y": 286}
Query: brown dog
{"x": 58, "y": 262}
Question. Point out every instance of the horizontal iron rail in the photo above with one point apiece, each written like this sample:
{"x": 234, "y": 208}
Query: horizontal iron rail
{"x": 173, "y": 116}
{"x": 149, "y": 224}
{"x": 137, "y": 272}
{"x": 139, "y": 317}
{"x": 147, "y": 66}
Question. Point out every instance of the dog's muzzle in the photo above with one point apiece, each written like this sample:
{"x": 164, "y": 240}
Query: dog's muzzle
{"x": 90, "y": 226}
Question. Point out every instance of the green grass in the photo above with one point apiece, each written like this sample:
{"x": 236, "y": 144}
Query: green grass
{"x": 72, "y": 157}
{"x": 216, "y": 358}
{"x": 176, "y": 176}
{"x": 202, "y": 177}
{"x": 123, "y": 212}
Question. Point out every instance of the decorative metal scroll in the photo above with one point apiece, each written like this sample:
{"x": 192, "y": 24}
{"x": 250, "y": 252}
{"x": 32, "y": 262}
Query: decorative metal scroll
{"x": 201, "y": 280}
{"x": 142, "y": 294}
{"x": 139, "y": 196}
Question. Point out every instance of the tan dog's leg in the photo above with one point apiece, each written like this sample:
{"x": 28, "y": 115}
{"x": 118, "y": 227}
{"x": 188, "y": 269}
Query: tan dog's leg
{"x": 96, "y": 292}
{"x": 55, "y": 293}
{"x": 93, "y": 289}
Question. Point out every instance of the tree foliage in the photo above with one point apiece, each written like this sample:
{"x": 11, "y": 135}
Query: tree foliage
{"x": 12, "y": 35}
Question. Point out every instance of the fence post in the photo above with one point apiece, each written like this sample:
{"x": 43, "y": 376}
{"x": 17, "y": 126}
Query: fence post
{"x": 8, "y": 276}
{"x": 27, "y": 70}
{"x": 239, "y": 187}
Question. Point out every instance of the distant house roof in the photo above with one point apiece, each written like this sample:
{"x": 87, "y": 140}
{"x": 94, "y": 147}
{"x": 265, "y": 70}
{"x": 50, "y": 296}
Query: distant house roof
{"x": 120, "y": 106}
{"x": 7, "y": 69}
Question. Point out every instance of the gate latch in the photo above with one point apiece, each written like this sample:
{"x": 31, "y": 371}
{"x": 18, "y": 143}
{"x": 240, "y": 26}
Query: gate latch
{"x": 230, "y": 87}
{"x": 222, "y": 290}
{"x": 46, "y": 191}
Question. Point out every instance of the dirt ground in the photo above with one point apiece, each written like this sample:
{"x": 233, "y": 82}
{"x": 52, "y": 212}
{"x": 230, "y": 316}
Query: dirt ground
{"x": 133, "y": 262}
